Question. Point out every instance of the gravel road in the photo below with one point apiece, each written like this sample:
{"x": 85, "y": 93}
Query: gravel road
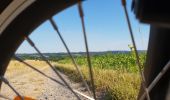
{"x": 30, "y": 83}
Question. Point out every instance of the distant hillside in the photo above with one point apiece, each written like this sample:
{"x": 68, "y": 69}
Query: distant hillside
{"x": 62, "y": 55}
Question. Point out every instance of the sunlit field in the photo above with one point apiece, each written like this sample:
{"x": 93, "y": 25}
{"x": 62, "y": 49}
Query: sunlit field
{"x": 116, "y": 75}
{"x": 114, "y": 84}
{"x": 17, "y": 68}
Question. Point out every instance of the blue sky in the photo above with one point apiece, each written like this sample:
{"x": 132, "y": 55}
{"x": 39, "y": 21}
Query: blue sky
{"x": 105, "y": 24}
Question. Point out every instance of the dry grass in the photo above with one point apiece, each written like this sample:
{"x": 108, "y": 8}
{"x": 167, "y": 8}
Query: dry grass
{"x": 25, "y": 80}
{"x": 117, "y": 85}
{"x": 16, "y": 68}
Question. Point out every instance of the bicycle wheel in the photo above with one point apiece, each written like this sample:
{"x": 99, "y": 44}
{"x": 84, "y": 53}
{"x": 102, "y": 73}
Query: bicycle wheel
{"x": 30, "y": 15}
{"x": 35, "y": 14}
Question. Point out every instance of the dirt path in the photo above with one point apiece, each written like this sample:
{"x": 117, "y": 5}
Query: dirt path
{"x": 32, "y": 84}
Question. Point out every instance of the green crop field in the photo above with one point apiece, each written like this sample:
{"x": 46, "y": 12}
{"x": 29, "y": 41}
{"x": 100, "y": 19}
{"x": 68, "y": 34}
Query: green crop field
{"x": 118, "y": 61}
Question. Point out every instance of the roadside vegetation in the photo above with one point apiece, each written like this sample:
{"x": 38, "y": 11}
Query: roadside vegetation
{"x": 116, "y": 74}
{"x": 114, "y": 84}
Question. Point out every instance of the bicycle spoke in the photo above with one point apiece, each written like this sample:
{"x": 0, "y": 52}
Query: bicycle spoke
{"x": 3, "y": 79}
{"x": 135, "y": 49}
{"x": 68, "y": 51}
{"x": 86, "y": 46}
{"x": 157, "y": 78}
{"x": 51, "y": 66}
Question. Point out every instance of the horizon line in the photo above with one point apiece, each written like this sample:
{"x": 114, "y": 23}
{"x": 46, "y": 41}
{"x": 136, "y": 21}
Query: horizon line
{"x": 84, "y": 51}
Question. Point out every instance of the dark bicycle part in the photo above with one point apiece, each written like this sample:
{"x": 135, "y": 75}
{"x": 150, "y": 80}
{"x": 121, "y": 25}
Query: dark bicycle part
{"x": 153, "y": 11}
{"x": 157, "y": 57}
